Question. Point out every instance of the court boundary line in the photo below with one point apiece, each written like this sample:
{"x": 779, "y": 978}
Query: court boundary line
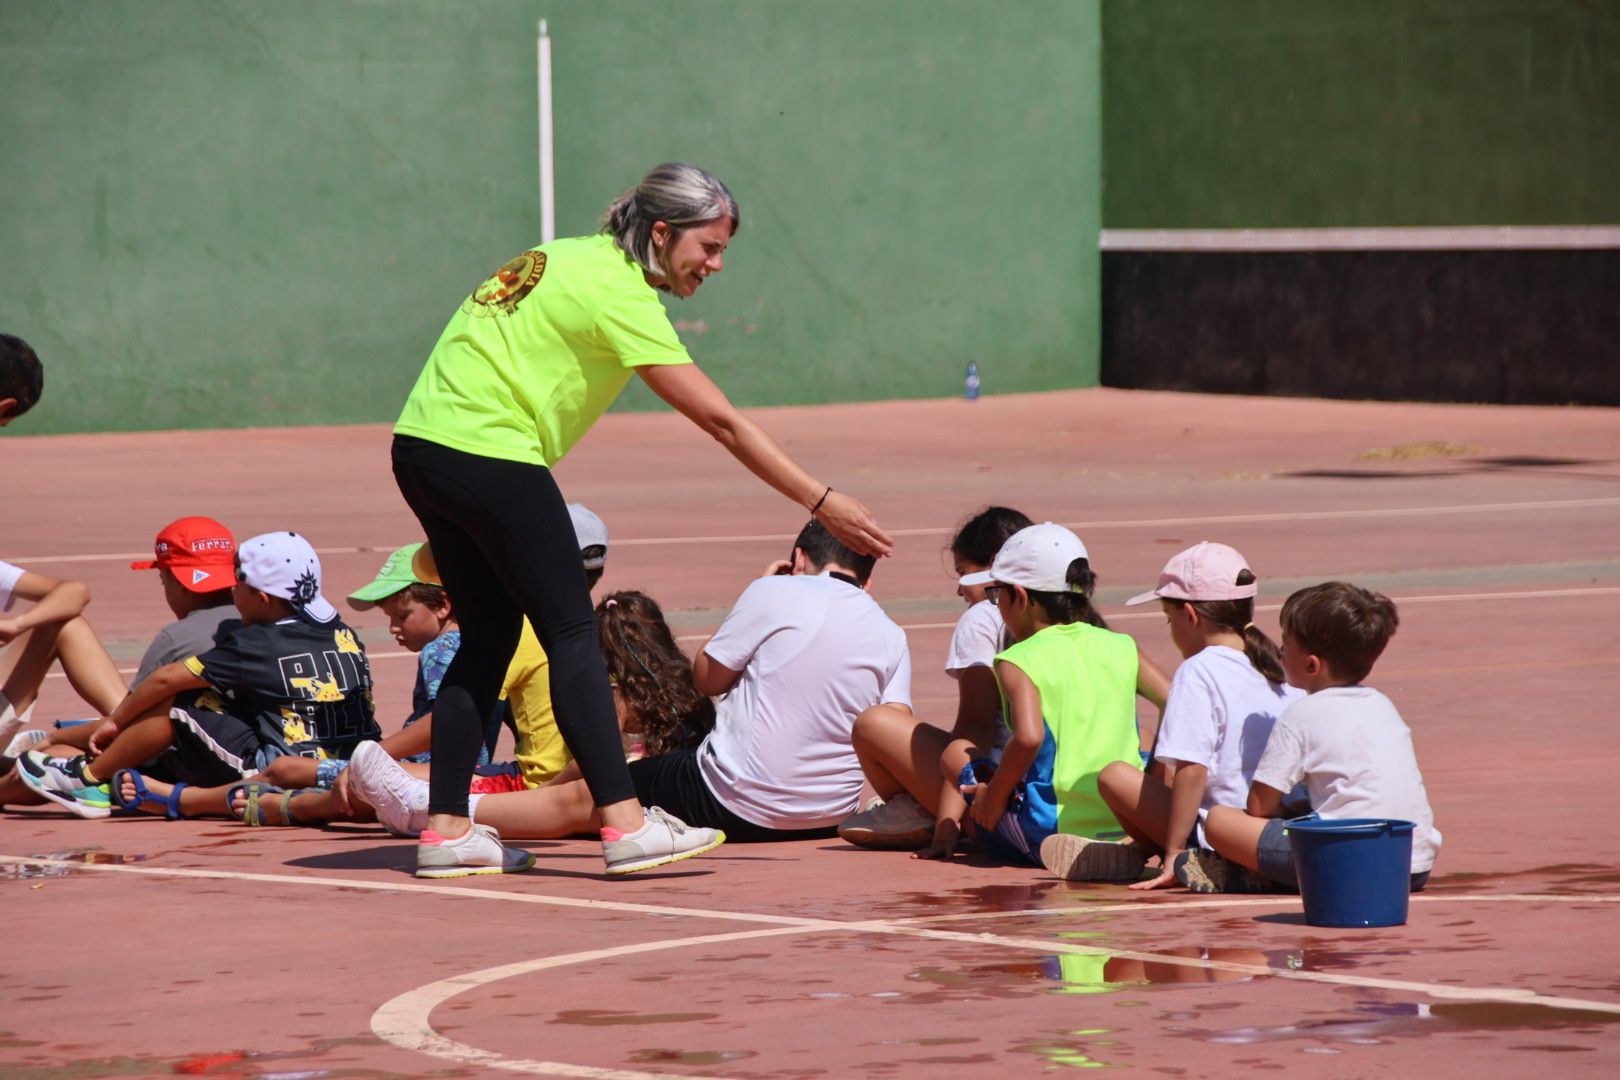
{"x": 945, "y": 530}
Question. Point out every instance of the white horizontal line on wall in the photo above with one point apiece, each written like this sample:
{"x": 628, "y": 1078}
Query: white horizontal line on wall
{"x": 1459, "y": 238}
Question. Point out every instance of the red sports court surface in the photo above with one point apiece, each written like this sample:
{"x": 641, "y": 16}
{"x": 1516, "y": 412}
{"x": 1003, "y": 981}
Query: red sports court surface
{"x": 141, "y": 947}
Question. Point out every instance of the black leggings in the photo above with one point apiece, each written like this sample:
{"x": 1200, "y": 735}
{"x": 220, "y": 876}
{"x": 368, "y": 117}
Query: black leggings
{"x": 505, "y": 548}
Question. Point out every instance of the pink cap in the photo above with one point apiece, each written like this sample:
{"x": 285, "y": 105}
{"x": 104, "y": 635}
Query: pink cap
{"x": 1204, "y": 571}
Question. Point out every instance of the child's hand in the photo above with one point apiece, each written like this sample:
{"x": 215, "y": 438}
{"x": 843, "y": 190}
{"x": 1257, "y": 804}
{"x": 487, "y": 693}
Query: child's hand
{"x": 8, "y": 630}
{"x": 987, "y": 806}
{"x": 1166, "y": 876}
{"x": 946, "y": 834}
{"x": 102, "y": 737}
{"x": 778, "y": 568}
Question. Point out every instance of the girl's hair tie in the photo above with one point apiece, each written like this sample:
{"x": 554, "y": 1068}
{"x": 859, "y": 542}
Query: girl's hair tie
{"x": 612, "y": 602}
{"x": 1248, "y": 626}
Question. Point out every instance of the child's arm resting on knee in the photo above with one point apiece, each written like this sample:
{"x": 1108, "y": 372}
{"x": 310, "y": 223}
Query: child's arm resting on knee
{"x": 1028, "y": 732}
{"x": 160, "y": 686}
{"x": 1264, "y": 801}
{"x": 1186, "y": 796}
{"x": 947, "y": 823}
{"x": 711, "y": 677}
{"x": 54, "y": 602}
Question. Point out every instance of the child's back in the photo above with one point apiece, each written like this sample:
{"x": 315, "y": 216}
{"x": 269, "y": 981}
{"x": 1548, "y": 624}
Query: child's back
{"x": 1086, "y": 677}
{"x": 1354, "y": 753}
{"x": 1220, "y": 713}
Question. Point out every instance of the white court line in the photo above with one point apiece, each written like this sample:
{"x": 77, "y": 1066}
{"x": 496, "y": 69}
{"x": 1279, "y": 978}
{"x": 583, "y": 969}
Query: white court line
{"x": 404, "y": 1021}
{"x": 1140, "y": 523}
{"x": 1119, "y": 616}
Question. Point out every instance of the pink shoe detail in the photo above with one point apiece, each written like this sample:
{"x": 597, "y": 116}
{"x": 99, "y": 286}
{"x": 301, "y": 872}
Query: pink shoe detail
{"x": 610, "y": 835}
{"x": 430, "y": 837}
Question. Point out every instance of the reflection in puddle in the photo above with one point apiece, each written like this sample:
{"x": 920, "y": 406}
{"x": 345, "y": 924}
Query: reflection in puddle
{"x": 1375, "y": 1022}
{"x": 610, "y": 1018}
{"x": 1070, "y": 973}
{"x": 688, "y": 1057}
{"x": 28, "y": 871}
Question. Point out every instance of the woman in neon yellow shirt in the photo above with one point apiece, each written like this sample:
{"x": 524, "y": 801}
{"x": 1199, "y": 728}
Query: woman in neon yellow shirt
{"x": 527, "y": 364}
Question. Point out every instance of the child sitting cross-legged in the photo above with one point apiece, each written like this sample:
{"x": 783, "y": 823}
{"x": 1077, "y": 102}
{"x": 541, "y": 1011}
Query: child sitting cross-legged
{"x": 422, "y": 620}
{"x": 1346, "y": 742}
{"x": 1224, "y": 699}
{"x": 1070, "y": 686}
{"x": 292, "y": 679}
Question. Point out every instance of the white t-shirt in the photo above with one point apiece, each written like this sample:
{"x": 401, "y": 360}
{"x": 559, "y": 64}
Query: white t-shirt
{"x": 1219, "y": 715}
{"x": 9, "y": 576}
{"x": 976, "y": 640}
{"x": 813, "y": 652}
{"x": 1354, "y": 753}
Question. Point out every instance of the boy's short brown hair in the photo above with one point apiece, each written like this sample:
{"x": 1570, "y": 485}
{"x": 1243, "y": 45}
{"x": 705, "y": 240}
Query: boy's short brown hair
{"x": 433, "y": 596}
{"x": 1346, "y": 625}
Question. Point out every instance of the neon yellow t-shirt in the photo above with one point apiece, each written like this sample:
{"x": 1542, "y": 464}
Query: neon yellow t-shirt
{"x": 1087, "y": 681}
{"x": 539, "y": 351}
{"x": 540, "y": 748}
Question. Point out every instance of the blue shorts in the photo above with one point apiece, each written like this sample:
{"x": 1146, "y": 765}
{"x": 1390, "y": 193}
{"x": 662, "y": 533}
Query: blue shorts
{"x": 1276, "y": 857}
{"x": 1018, "y": 835}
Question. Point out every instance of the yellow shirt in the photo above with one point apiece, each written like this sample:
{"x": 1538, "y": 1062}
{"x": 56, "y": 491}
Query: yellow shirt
{"x": 539, "y": 351}
{"x": 540, "y": 747}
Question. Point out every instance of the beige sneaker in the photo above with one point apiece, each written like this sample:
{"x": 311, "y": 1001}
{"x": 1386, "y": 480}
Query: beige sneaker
{"x": 1075, "y": 858}
{"x": 900, "y": 824}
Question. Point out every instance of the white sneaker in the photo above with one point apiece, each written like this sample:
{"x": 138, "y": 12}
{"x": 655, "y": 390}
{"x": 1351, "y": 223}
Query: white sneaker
{"x": 900, "y": 824}
{"x": 23, "y": 741}
{"x": 476, "y": 851}
{"x": 401, "y": 799}
{"x": 663, "y": 839}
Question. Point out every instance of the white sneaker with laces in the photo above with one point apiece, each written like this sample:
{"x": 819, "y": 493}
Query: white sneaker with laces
{"x": 401, "y": 799}
{"x": 900, "y": 824}
{"x": 663, "y": 839}
{"x": 477, "y": 851}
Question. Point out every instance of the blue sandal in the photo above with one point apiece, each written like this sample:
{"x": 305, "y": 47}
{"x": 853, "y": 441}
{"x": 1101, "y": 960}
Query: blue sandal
{"x": 254, "y": 792}
{"x": 169, "y": 803}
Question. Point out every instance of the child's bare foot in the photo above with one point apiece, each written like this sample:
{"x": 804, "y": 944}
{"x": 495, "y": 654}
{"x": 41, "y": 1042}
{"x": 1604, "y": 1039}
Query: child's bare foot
{"x": 132, "y": 791}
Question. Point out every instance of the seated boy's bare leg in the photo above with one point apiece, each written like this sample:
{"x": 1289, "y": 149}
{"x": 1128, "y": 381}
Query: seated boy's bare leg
{"x": 544, "y": 813}
{"x": 899, "y": 752}
{"x": 1140, "y": 803}
{"x": 13, "y": 792}
{"x": 90, "y": 671}
{"x": 141, "y": 741}
{"x": 307, "y": 807}
{"x": 1235, "y": 834}
{"x": 291, "y": 771}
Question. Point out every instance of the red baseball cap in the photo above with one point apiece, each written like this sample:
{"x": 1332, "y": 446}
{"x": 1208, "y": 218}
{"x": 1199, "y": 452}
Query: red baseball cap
{"x": 198, "y": 551}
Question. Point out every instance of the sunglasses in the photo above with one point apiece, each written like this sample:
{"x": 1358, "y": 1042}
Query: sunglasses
{"x": 994, "y": 593}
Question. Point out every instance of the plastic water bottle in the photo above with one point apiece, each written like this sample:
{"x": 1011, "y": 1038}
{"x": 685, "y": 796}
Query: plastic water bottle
{"x": 970, "y": 385}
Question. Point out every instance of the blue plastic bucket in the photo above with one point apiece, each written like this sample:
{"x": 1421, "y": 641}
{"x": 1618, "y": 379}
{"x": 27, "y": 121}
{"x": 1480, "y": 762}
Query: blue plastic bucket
{"x": 1353, "y": 871}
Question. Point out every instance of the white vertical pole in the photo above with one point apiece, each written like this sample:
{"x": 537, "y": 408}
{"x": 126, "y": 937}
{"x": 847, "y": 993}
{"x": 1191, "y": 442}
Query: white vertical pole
{"x": 548, "y": 183}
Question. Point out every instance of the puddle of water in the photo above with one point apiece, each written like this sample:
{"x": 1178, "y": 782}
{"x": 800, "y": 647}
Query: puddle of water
{"x": 610, "y": 1018}
{"x": 221, "y": 1065}
{"x": 1069, "y": 973}
{"x": 89, "y": 856}
{"x": 688, "y": 1057}
{"x": 1376, "y": 1022}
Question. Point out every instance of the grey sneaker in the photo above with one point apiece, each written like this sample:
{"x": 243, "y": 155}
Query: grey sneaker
{"x": 900, "y": 824}
{"x": 477, "y": 851}
{"x": 664, "y": 839}
{"x": 1204, "y": 871}
{"x": 401, "y": 800}
{"x": 23, "y": 742}
{"x": 1075, "y": 858}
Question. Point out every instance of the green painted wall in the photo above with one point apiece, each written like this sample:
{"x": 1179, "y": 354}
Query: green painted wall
{"x": 1301, "y": 113}
{"x": 262, "y": 211}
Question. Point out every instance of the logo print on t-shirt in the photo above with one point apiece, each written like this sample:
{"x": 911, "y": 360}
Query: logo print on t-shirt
{"x": 503, "y": 291}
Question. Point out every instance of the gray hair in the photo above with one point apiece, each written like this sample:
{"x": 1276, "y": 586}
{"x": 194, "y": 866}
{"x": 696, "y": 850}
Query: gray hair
{"x": 675, "y": 193}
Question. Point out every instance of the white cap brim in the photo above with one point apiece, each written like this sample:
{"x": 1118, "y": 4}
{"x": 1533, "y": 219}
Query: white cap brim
{"x": 320, "y": 609}
{"x": 983, "y": 577}
{"x": 1143, "y": 598}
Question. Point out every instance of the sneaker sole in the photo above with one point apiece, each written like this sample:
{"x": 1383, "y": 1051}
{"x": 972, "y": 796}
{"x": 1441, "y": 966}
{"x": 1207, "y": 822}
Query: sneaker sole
{"x": 1075, "y": 858}
{"x": 1200, "y": 878}
{"x": 472, "y": 871}
{"x": 879, "y": 840}
{"x": 67, "y": 802}
{"x": 663, "y": 860}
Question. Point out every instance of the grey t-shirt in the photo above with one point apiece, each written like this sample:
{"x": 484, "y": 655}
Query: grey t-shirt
{"x": 190, "y": 636}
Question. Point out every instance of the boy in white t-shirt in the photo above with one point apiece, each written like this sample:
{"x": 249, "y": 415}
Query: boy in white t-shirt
{"x": 1224, "y": 699}
{"x": 1346, "y": 742}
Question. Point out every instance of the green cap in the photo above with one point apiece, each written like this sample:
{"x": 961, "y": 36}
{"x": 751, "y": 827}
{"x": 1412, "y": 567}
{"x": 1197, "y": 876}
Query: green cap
{"x": 394, "y": 577}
